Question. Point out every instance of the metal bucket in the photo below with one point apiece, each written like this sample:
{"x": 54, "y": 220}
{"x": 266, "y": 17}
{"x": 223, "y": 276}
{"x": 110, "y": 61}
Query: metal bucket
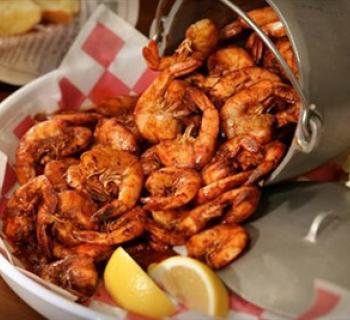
{"x": 318, "y": 31}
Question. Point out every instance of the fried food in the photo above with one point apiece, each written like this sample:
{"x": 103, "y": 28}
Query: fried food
{"x": 58, "y": 11}
{"x": 18, "y": 17}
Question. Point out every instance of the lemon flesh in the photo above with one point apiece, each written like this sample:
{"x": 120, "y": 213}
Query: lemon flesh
{"x": 133, "y": 289}
{"x": 192, "y": 283}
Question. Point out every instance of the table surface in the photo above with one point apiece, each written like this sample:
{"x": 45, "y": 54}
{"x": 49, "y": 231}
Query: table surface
{"x": 11, "y": 305}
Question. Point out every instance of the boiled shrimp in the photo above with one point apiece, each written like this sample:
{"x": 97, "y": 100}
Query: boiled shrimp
{"x": 78, "y": 118}
{"x": 165, "y": 236}
{"x": 76, "y": 274}
{"x": 74, "y": 211}
{"x": 116, "y": 106}
{"x": 217, "y": 188}
{"x": 156, "y": 113}
{"x": 106, "y": 174}
{"x": 167, "y": 219}
{"x": 222, "y": 164}
{"x": 77, "y": 208}
{"x": 186, "y": 151}
{"x": 97, "y": 252}
{"x": 21, "y": 218}
{"x": 128, "y": 226}
{"x": 171, "y": 188}
{"x": 218, "y": 246}
{"x": 201, "y": 38}
{"x": 220, "y": 88}
{"x": 285, "y": 48}
{"x": 251, "y": 101}
{"x": 241, "y": 201}
{"x": 150, "y": 161}
{"x": 48, "y": 140}
{"x": 110, "y": 133}
{"x": 273, "y": 153}
{"x": 121, "y": 108}
{"x": 227, "y": 60}
{"x": 56, "y": 171}
{"x": 261, "y": 17}
{"x": 256, "y": 46}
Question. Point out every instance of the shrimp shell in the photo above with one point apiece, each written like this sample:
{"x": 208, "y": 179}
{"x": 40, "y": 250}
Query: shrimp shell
{"x": 77, "y": 274}
{"x": 125, "y": 228}
{"x": 189, "y": 152}
{"x": 25, "y": 215}
{"x": 110, "y": 133}
{"x": 171, "y": 188}
{"x": 46, "y": 141}
{"x": 56, "y": 171}
{"x": 243, "y": 202}
{"x": 218, "y": 246}
{"x": 106, "y": 174}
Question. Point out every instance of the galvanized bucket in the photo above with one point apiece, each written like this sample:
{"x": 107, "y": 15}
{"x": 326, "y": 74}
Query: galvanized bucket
{"x": 318, "y": 31}
{"x": 300, "y": 236}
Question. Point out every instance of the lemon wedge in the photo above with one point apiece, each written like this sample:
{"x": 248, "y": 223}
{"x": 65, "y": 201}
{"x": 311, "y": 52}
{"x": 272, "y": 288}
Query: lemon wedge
{"x": 133, "y": 289}
{"x": 192, "y": 283}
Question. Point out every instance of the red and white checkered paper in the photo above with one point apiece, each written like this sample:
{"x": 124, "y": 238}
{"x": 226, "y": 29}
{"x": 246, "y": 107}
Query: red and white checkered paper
{"x": 106, "y": 60}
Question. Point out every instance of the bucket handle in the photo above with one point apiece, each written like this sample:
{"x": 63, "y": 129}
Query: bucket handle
{"x": 310, "y": 121}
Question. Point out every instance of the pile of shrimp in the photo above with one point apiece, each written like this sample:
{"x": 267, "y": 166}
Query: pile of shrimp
{"x": 178, "y": 165}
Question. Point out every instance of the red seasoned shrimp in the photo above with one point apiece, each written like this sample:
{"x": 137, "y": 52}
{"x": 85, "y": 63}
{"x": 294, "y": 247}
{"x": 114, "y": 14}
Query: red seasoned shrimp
{"x": 218, "y": 246}
{"x": 24, "y": 225}
{"x": 110, "y": 133}
{"x": 108, "y": 175}
{"x": 256, "y": 46}
{"x": 285, "y": 48}
{"x": 220, "y": 88}
{"x": 222, "y": 164}
{"x": 250, "y": 101}
{"x": 76, "y": 274}
{"x": 56, "y": 171}
{"x": 201, "y": 38}
{"x": 156, "y": 113}
{"x": 128, "y": 226}
{"x": 97, "y": 252}
{"x": 164, "y": 236}
{"x": 217, "y": 188}
{"x": 116, "y": 106}
{"x": 261, "y": 17}
{"x": 187, "y": 151}
{"x": 227, "y": 60}
{"x": 150, "y": 161}
{"x": 242, "y": 203}
{"x": 48, "y": 140}
{"x": 273, "y": 153}
{"x": 171, "y": 188}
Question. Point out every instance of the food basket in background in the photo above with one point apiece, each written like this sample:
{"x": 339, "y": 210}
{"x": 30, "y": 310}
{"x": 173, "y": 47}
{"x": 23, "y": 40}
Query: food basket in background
{"x": 27, "y": 56}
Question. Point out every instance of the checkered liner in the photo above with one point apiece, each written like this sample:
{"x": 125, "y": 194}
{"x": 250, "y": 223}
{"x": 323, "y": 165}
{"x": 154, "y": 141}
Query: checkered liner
{"x": 105, "y": 60}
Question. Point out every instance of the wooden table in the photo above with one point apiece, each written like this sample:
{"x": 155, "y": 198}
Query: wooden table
{"x": 11, "y": 306}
